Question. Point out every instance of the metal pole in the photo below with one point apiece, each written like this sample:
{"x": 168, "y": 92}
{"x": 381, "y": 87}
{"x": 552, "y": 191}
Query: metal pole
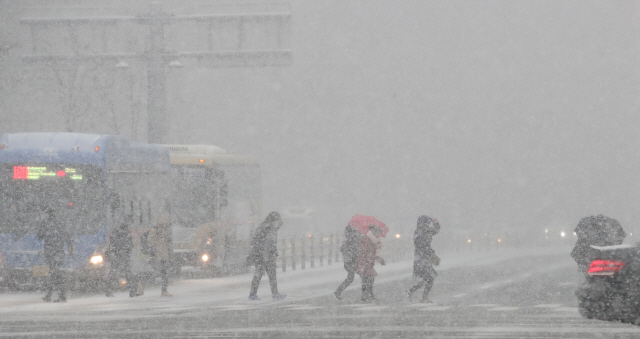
{"x": 293, "y": 254}
{"x": 338, "y": 248}
{"x": 321, "y": 244}
{"x": 157, "y": 119}
{"x": 311, "y": 251}
{"x": 303, "y": 260}
{"x": 330, "y": 249}
{"x": 284, "y": 252}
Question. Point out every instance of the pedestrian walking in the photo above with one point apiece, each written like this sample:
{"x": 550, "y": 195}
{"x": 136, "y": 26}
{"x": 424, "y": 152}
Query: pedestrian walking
{"x": 263, "y": 255}
{"x": 424, "y": 256}
{"x": 118, "y": 256}
{"x": 597, "y": 230}
{"x": 369, "y": 253}
{"x": 161, "y": 244}
{"x": 349, "y": 249}
{"x": 55, "y": 236}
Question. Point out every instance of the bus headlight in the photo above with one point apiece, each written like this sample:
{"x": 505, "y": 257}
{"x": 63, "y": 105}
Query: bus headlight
{"x": 96, "y": 259}
{"x": 205, "y": 257}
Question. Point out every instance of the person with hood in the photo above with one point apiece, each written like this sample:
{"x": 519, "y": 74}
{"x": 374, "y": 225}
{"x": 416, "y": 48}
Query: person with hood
{"x": 595, "y": 231}
{"x": 349, "y": 249}
{"x": 263, "y": 255}
{"x": 118, "y": 255}
{"x": 55, "y": 237}
{"x": 424, "y": 256}
{"x": 369, "y": 253}
{"x": 161, "y": 245}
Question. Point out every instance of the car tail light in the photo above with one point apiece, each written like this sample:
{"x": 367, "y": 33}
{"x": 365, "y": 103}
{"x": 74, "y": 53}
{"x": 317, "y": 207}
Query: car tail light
{"x": 604, "y": 267}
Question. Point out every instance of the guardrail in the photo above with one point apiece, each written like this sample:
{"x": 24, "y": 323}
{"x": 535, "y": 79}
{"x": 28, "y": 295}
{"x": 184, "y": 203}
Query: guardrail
{"x": 317, "y": 250}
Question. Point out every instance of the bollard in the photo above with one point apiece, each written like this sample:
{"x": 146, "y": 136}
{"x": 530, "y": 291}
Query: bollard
{"x": 293, "y": 254}
{"x": 330, "y": 249}
{"x": 311, "y": 252}
{"x": 284, "y": 259}
{"x": 337, "y": 248}
{"x": 303, "y": 259}
{"x": 321, "y": 244}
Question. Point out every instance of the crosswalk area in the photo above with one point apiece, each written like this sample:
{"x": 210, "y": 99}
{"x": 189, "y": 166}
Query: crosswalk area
{"x": 418, "y": 307}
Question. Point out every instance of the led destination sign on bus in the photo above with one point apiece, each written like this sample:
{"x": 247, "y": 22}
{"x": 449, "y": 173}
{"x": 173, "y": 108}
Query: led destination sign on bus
{"x": 35, "y": 173}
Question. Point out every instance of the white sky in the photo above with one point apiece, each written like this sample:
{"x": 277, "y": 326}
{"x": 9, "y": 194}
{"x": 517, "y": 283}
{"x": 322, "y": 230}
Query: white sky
{"x": 482, "y": 114}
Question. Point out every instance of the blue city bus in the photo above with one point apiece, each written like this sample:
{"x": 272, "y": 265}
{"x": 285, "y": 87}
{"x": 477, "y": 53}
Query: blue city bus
{"x": 92, "y": 182}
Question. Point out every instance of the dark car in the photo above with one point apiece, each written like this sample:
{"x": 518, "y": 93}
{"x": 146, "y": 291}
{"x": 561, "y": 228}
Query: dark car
{"x": 612, "y": 287}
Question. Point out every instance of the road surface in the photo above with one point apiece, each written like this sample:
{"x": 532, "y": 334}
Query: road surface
{"x": 496, "y": 294}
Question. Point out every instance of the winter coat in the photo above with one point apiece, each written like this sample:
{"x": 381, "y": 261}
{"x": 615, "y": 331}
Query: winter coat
{"x": 424, "y": 253}
{"x": 582, "y": 252}
{"x": 598, "y": 231}
{"x": 369, "y": 250}
{"x": 264, "y": 245}
{"x": 351, "y": 245}
{"x": 120, "y": 245}
{"x": 55, "y": 237}
{"x": 160, "y": 239}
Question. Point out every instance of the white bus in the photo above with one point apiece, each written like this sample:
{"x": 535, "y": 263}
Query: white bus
{"x": 217, "y": 204}
{"x": 298, "y": 222}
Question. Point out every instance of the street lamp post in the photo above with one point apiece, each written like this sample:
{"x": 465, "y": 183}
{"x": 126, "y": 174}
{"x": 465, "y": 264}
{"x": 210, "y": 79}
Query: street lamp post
{"x": 158, "y": 121}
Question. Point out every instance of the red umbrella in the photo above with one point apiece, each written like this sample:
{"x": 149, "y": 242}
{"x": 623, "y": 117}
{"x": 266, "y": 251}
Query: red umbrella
{"x": 362, "y": 222}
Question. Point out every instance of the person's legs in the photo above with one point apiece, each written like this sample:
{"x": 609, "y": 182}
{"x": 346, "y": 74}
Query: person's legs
{"x": 164, "y": 274}
{"x": 367, "y": 288}
{"x": 132, "y": 279}
{"x": 371, "y": 280}
{"x": 112, "y": 277}
{"x": 49, "y": 283}
{"x": 417, "y": 286}
{"x": 58, "y": 282}
{"x": 271, "y": 269}
{"x": 345, "y": 283}
{"x": 256, "y": 280}
{"x": 429, "y": 283}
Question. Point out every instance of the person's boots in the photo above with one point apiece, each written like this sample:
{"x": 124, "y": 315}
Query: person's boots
{"x": 140, "y": 289}
{"x": 165, "y": 293}
{"x": 61, "y": 298}
{"x": 279, "y": 296}
{"x": 337, "y": 295}
{"x": 47, "y": 298}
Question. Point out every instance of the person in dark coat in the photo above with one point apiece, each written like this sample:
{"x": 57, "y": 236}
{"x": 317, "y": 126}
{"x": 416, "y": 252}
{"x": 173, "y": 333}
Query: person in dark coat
{"x": 118, "y": 255}
{"x": 161, "y": 244}
{"x": 349, "y": 249}
{"x": 424, "y": 256}
{"x": 263, "y": 255}
{"x": 55, "y": 237}
{"x": 369, "y": 253}
{"x": 595, "y": 231}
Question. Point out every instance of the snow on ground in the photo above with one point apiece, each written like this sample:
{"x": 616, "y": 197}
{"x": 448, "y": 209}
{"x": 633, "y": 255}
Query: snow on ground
{"x": 198, "y": 294}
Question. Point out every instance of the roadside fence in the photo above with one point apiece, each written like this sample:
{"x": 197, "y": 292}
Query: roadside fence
{"x": 318, "y": 250}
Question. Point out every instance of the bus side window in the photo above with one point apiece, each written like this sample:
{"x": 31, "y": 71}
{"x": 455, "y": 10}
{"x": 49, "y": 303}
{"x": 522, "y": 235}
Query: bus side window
{"x": 149, "y": 212}
{"x": 140, "y": 211}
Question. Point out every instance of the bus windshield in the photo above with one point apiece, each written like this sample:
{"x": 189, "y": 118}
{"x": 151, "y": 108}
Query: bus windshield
{"x": 193, "y": 199}
{"x": 75, "y": 192}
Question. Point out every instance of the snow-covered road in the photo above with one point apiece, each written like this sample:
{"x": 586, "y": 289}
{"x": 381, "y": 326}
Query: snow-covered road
{"x": 502, "y": 293}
